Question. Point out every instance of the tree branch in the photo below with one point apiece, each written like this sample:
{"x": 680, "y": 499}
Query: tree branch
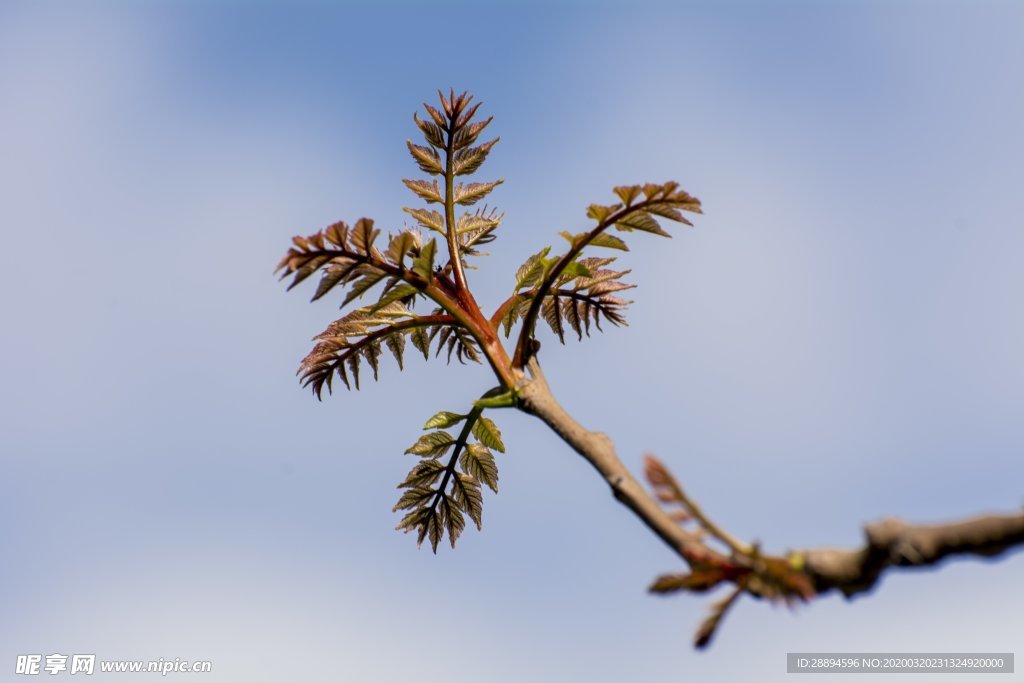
{"x": 895, "y": 543}
{"x": 890, "y": 542}
{"x": 596, "y": 448}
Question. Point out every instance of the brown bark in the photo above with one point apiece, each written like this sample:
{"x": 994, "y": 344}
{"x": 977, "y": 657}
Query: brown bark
{"x": 895, "y": 543}
{"x": 890, "y": 542}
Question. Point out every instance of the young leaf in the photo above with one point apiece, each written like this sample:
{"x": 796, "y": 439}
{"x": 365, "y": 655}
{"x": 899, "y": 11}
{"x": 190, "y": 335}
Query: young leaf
{"x": 398, "y": 293}
{"x": 627, "y": 193}
{"x": 372, "y": 276}
{"x": 428, "y": 191}
{"x": 413, "y": 520}
{"x": 353, "y": 365}
{"x": 443, "y": 420}
{"x": 639, "y": 220}
{"x": 461, "y": 342}
{"x": 332, "y": 276}
{"x": 439, "y": 119}
{"x": 423, "y": 264}
{"x": 516, "y": 310}
{"x": 371, "y": 351}
{"x": 469, "y": 160}
{"x": 363, "y": 235}
{"x": 551, "y": 311}
{"x": 466, "y": 495}
{"x": 576, "y": 314}
{"x": 431, "y": 131}
{"x": 530, "y": 272}
{"x": 610, "y": 241}
{"x": 425, "y": 473}
{"x": 400, "y": 245}
{"x": 396, "y": 344}
{"x": 454, "y": 522}
{"x": 480, "y": 219}
{"x": 421, "y": 340}
{"x": 414, "y": 497}
{"x": 426, "y": 157}
{"x": 467, "y": 135}
{"x": 434, "y": 530}
{"x": 668, "y": 212}
{"x": 478, "y": 462}
{"x": 488, "y": 433}
{"x": 600, "y": 212}
{"x": 432, "y": 445}
{"x": 471, "y": 193}
{"x": 428, "y": 218}
{"x": 573, "y": 269}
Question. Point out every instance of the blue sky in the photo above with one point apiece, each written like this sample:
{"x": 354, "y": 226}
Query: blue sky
{"x": 837, "y": 339}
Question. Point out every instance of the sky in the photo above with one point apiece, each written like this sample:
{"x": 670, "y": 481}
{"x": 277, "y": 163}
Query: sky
{"x": 835, "y": 341}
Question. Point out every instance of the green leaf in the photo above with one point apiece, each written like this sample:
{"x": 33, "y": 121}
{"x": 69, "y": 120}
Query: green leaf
{"x": 428, "y": 191}
{"x": 425, "y": 473}
{"x": 466, "y": 494}
{"x": 396, "y": 344}
{"x": 477, "y": 221}
{"x": 421, "y": 340}
{"x": 669, "y": 212}
{"x": 599, "y": 212}
{"x": 530, "y": 272}
{"x": 363, "y": 236}
{"x": 469, "y": 160}
{"x": 639, "y": 220}
{"x": 363, "y": 284}
{"x": 426, "y": 157}
{"x": 478, "y": 462}
{"x": 627, "y": 193}
{"x": 372, "y": 354}
{"x": 572, "y": 311}
{"x": 610, "y": 241}
{"x": 488, "y": 433}
{"x": 471, "y": 193}
{"x": 331, "y": 277}
{"x": 434, "y": 530}
{"x": 432, "y": 445}
{"x": 398, "y": 293}
{"x": 513, "y": 313}
{"x": 414, "y": 497}
{"x": 454, "y": 522}
{"x": 428, "y": 218}
{"x": 443, "y": 420}
{"x": 551, "y": 311}
{"x": 574, "y": 269}
{"x": 353, "y": 365}
{"x": 423, "y": 264}
{"x": 497, "y": 399}
{"x": 414, "y": 520}
{"x": 401, "y": 244}
{"x": 571, "y": 238}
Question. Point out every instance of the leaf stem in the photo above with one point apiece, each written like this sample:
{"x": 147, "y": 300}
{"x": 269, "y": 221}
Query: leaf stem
{"x": 460, "y": 444}
{"x": 449, "y": 206}
{"x": 529, "y": 321}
